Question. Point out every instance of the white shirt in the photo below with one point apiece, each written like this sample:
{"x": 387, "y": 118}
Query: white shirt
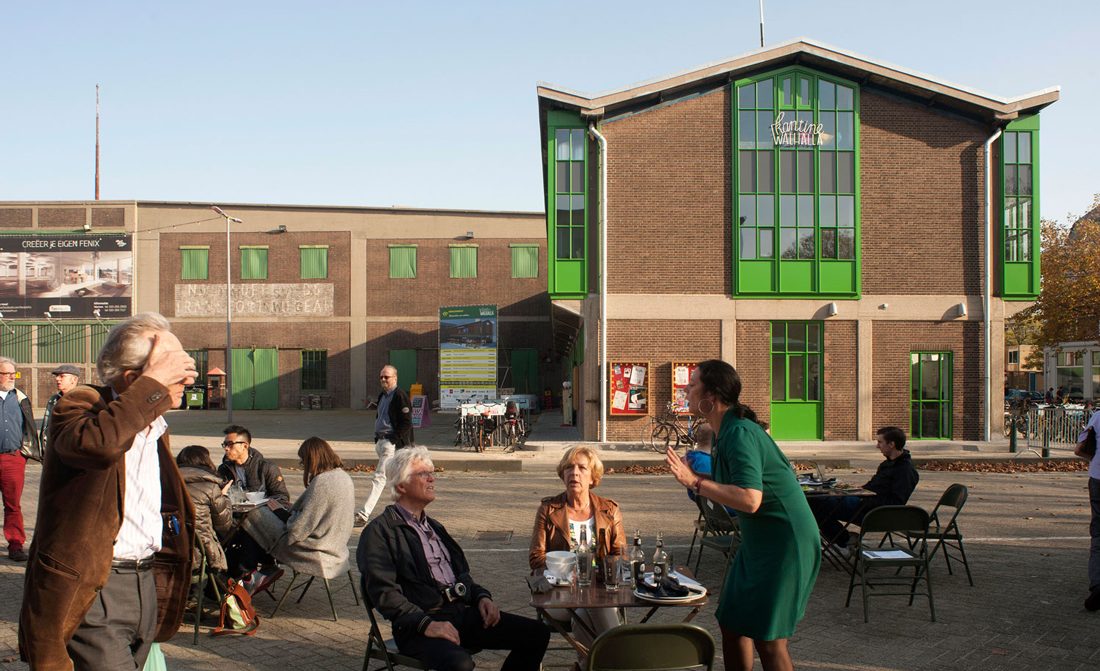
{"x": 142, "y": 528}
{"x": 1094, "y": 465}
{"x": 590, "y": 534}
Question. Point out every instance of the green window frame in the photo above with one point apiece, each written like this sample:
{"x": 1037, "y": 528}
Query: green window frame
{"x": 796, "y": 186}
{"x": 402, "y": 262}
{"x": 525, "y": 261}
{"x": 202, "y": 363}
{"x": 253, "y": 262}
{"x": 1019, "y": 196}
{"x": 797, "y": 355}
{"x": 313, "y": 262}
{"x": 194, "y": 262}
{"x": 314, "y": 369}
{"x": 61, "y": 343}
{"x": 463, "y": 261}
{"x": 15, "y": 341}
{"x": 567, "y": 192}
{"x": 931, "y": 378}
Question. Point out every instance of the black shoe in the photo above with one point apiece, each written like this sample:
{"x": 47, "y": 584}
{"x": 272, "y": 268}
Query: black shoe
{"x": 16, "y": 553}
{"x": 1092, "y": 603}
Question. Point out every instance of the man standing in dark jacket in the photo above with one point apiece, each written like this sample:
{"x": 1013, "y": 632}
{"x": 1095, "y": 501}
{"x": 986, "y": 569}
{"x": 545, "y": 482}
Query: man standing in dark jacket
{"x": 893, "y": 484}
{"x": 247, "y": 466}
{"x": 66, "y": 376}
{"x": 417, "y": 577}
{"x": 392, "y": 431}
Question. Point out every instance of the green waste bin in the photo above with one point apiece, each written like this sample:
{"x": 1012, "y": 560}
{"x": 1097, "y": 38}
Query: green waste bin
{"x": 196, "y": 399}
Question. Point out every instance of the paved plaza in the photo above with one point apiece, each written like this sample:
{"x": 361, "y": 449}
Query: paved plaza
{"x": 1026, "y": 535}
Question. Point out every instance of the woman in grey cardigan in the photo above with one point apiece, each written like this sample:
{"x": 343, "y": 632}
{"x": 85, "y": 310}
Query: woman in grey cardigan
{"x": 321, "y": 520}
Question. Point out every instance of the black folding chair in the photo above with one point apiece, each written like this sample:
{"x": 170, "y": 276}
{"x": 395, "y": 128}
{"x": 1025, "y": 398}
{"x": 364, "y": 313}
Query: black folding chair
{"x": 947, "y": 535}
{"x": 904, "y": 521}
{"x": 380, "y": 648}
{"x": 721, "y": 531}
{"x": 652, "y": 647}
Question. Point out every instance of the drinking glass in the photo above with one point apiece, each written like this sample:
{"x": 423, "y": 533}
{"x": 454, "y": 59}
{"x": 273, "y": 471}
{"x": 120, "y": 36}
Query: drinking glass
{"x": 613, "y": 573}
{"x": 584, "y": 570}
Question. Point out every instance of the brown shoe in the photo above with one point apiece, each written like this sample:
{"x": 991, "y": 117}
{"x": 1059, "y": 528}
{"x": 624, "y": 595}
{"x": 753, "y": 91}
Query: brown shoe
{"x": 17, "y": 553}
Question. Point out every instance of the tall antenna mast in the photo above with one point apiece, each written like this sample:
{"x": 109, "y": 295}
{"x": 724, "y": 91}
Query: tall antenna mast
{"x": 97, "y": 140}
{"x": 761, "y": 24}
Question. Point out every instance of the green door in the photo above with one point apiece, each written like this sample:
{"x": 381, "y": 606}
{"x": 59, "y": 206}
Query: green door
{"x": 404, "y": 360}
{"x": 525, "y": 371}
{"x": 255, "y": 379}
{"x": 796, "y": 407}
{"x": 930, "y": 383}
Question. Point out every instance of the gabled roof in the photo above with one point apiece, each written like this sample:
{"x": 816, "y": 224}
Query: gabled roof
{"x": 910, "y": 83}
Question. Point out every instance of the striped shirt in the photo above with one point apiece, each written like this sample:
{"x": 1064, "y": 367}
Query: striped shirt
{"x": 142, "y": 529}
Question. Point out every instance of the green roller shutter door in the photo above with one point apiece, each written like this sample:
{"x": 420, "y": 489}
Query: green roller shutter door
{"x": 525, "y": 371}
{"x": 404, "y": 360}
{"x": 255, "y": 379}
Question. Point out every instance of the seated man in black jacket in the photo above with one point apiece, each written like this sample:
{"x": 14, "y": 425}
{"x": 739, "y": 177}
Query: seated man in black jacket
{"x": 893, "y": 484}
{"x": 247, "y": 466}
{"x": 417, "y": 577}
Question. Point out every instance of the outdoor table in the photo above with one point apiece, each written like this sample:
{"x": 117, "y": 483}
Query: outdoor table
{"x": 823, "y": 491}
{"x": 597, "y": 596}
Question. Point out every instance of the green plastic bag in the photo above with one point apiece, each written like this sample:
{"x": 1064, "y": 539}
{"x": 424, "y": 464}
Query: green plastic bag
{"x": 155, "y": 661}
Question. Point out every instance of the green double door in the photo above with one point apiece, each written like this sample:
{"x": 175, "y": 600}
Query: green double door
{"x": 797, "y": 351}
{"x": 254, "y": 380}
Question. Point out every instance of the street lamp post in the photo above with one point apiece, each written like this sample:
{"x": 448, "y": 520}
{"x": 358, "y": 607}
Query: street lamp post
{"x": 228, "y": 315}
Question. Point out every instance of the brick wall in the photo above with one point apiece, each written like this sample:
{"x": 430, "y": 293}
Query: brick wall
{"x": 893, "y": 342}
{"x": 841, "y": 380}
{"x": 754, "y": 366}
{"x": 283, "y": 263}
{"x": 433, "y": 286}
{"x": 660, "y": 343}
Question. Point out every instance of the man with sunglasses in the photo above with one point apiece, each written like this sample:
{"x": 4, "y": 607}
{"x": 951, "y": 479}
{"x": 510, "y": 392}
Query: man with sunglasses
{"x": 392, "y": 431}
{"x": 245, "y": 465}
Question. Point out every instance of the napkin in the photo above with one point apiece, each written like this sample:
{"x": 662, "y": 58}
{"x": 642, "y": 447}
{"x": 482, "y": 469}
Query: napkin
{"x": 539, "y": 584}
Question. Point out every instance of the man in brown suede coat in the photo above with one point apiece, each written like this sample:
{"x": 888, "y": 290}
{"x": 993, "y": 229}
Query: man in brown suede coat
{"x": 110, "y": 563}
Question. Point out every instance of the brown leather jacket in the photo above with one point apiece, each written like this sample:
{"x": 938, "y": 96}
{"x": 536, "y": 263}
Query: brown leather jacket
{"x": 552, "y": 528}
{"x": 80, "y": 509}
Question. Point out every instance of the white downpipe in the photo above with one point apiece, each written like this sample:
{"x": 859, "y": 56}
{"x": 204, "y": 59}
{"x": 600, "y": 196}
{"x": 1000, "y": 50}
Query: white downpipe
{"x": 603, "y": 279}
{"x": 987, "y": 289}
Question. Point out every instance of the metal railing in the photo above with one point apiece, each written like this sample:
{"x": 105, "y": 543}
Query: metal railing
{"x": 1043, "y": 428}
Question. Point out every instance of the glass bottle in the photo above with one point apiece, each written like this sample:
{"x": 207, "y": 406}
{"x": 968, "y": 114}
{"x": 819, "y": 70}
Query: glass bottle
{"x": 637, "y": 560}
{"x": 660, "y": 561}
{"x": 584, "y": 559}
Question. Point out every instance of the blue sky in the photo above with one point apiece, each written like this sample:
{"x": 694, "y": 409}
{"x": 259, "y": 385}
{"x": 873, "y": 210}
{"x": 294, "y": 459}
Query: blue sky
{"x": 432, "y": 104}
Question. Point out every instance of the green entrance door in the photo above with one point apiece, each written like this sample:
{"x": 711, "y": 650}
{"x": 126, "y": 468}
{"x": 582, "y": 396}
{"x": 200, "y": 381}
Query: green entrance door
{"x": 255, "y": 379}
{"x": 796, "y": 407}
{"x": 930, "y": 378}
{"x": 525, "y": 371}
{"x": 404, "y": 360}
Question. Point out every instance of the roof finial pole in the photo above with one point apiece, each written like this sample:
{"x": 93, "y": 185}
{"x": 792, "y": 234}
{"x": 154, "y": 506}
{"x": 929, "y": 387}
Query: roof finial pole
{"x": 761, "y": 24}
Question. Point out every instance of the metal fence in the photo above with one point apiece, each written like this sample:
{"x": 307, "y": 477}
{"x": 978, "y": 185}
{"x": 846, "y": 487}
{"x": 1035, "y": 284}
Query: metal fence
{"x": 1041, "y": 429}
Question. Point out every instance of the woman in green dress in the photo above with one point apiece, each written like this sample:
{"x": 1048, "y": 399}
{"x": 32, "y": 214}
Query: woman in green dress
{"x": 773, "y": 573}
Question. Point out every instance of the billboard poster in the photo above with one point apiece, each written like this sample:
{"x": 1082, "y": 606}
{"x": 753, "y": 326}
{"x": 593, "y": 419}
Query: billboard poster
{"x": 467, "y": 354}
{"x": 77, "y": 276}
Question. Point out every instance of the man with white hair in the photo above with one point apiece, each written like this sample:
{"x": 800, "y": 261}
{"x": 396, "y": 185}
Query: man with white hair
{"x": 416, "y": 575}
{"x": 16, "y": 431}
{"x": 111, "y": 500}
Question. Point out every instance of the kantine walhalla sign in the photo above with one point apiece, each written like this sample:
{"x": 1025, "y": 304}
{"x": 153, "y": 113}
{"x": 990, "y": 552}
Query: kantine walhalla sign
{"x": 797, "y": 133}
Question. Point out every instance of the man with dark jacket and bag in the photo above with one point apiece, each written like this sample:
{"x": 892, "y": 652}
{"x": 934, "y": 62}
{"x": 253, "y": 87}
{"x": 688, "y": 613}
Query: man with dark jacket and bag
{"x": 246, "y": 466}
{"x": 110, "y": 565}
{"x": 18, "y": 442}
{"x": 392, "y": 431}
{"x": 417, "y": 577}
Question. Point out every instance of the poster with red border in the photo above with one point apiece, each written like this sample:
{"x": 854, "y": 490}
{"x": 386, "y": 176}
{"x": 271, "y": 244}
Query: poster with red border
{"x": 629, "y": 387}
{"x": 681, "y": 373}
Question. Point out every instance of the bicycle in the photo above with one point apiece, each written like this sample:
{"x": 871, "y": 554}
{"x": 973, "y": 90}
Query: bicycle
{"x": 668, "y": 429}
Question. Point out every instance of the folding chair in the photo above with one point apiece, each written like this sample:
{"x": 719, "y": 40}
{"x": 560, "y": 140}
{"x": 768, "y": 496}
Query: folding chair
{"x": 948, "y": 536}
{"x": 305, "y": 588}
{"x": 382, "y": 648}
{"x": 652, "y": 647}
{"x": 698, "y": 527}
{"x": 721, "y": 531}
{"x": 910, "y": 522}
{"x": 199, "y": 585}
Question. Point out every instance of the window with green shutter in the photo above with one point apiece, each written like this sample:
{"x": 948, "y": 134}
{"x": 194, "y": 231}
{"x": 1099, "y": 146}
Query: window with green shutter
{"x": 195, "y": 262}
{"x": 525, "y": 260}
{"x": 463, "y": 261}
{"x": 313, "y": 262}
{"x": 15, "y": 341}
{"x": 253, "y": 262}
{"x": 567, "y": 201}
{"x": 314, "y": 369}
{"x": 60, "y": 343}
{"x": 99, "y": 337}
{"x": 1020, "y": 209}
{"x": 403, "y": 262}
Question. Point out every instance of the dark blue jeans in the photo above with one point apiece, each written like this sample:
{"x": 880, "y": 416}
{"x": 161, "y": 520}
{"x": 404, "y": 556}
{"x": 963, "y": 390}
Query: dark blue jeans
{"x": 526, "y": 638}
{"x": 830, "y": 511}
{"x": 1094, "y": 532}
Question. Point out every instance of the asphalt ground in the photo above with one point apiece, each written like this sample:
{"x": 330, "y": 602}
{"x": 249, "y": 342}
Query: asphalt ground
{"x": 1026, "y": 536}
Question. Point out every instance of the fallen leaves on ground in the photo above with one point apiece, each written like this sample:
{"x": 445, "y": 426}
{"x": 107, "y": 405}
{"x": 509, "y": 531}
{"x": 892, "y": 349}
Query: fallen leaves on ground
{"x": 639, "y": 469}
{"x": 1008, "y": 466}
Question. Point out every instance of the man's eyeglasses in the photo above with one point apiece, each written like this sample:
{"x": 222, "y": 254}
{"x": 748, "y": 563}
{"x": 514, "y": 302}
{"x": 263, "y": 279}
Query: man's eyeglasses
{"x": 423, "y": 475}
{"x": 228, "y": 444}
{"x": 11, "y": 374}
{"x": 384, "y": 377}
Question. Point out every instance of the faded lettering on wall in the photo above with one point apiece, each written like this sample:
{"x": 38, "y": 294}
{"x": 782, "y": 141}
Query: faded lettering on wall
{"x": 255, "y": 300}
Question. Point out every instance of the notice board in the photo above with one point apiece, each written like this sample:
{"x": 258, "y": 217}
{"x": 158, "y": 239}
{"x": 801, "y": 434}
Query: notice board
{"x": 681, "y": 373}
{"x": 629, "y": 387}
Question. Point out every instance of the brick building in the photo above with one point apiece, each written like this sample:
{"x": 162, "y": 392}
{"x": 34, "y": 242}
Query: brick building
{"x": 323, "y": 297}
{"x": 816, "y": 218}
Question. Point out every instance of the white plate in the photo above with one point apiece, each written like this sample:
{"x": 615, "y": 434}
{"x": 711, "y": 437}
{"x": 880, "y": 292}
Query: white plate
{"x": 556, "y": 581}
{"x": 680, "y": 578}
{"x": 695, "y": 593}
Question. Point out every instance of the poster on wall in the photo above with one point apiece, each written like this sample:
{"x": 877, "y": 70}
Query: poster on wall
{"x": 681, "y": 374}
{"x": 467, "y": 354}
{"x": 76, "y": 276}
{"x": 629, "y": 391}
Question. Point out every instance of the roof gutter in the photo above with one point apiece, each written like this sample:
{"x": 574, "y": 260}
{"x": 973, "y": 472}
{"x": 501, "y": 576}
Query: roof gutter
{"x": 602, "y": 141}
{"x": 987, "y": 289}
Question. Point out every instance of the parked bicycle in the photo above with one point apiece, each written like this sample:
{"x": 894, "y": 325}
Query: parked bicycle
{"x": 670, "y": 429}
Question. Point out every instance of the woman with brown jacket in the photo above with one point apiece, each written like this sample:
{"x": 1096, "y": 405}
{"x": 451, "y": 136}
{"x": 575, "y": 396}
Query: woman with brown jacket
{"x": 213, "y": 513}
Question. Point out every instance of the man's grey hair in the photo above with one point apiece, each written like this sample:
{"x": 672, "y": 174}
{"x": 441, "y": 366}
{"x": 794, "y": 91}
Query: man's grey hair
{"x": 125, "y": 349}
{"x": 5, "y": 359}
{"x": 399, "y": 468}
